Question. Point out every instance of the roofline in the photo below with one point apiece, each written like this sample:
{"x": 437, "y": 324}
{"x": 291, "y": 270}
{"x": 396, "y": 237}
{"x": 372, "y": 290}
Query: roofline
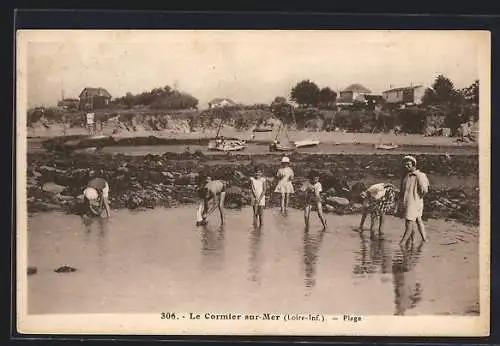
{"x": 404, "y": 88}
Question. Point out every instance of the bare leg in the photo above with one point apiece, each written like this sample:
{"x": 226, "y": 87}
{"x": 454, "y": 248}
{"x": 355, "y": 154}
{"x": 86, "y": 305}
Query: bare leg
{"x": 221, "y": 207}
{"x": 261, "y": 215}
{"x": 421, "y": 229}
{"x": 372, "y": 221}
{"x": 307, "y": 212}
{"x": 255, "y": 215}
{"x": 283, "y": 197}
{"x": 199, "y": 212}
{"x": 408, "y": 231}
{"x": 381, "y": 222}
{"x": 321, "y": 215}
{"x": 363, "y": 218}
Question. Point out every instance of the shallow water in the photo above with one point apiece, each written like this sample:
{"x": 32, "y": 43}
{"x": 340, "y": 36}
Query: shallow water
{"x": 157, "y": 260}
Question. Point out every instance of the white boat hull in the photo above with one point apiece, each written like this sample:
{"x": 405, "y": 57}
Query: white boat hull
{"x": 306, "y": 143}
{"x": 226, "y": 145}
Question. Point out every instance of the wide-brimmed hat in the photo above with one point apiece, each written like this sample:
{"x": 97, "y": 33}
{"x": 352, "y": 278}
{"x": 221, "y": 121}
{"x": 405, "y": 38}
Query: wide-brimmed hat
{"x": 410, "y": 158}
{"x": 285, "y": 159}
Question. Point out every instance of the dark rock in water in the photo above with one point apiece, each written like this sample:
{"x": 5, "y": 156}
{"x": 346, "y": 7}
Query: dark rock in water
{"x": 32, "y": 270}
{"x": 65, "y": 269}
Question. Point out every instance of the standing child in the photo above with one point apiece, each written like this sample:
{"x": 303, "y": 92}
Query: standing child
{"x": 312, "y": 196}
{"x": 378, "y": 200}
{"x": 259, "y": 188}
{"x": 414, "y": 186}
{"x": 285, "y": 186}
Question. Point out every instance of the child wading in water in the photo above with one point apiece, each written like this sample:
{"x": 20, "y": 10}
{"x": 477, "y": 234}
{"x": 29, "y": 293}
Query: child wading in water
{"x": 259, "y": 188}
{"x": 285, "y": 186}
{"x": 414, "y": 186}
{"x": 312, "y": 196}
{"x": 378, "y": 200}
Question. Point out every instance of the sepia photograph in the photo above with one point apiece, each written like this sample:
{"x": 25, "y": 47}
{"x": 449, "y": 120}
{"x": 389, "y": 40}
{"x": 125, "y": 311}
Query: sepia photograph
{"x": 270, "y": 182}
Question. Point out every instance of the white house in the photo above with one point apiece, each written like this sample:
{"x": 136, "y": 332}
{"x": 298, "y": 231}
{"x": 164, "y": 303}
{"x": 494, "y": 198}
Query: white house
{"x": 221, "y": 102}
{"x": 405, "y": 95}
{"x": 354, "y": 92}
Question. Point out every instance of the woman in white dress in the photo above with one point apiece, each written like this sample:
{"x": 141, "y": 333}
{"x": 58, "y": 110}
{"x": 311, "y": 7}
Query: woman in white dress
{"x": 285, "y": 186}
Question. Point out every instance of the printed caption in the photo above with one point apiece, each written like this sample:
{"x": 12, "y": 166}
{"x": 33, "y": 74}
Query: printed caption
{"x": 259, "y": 317}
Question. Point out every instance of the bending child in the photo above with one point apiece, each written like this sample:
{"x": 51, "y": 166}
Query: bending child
{"x": 378, "y": 201}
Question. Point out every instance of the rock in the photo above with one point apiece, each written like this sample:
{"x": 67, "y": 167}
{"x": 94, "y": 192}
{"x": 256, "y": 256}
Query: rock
{"x": 168, "y": 175}
{"x": 338, "y": 200}
{"x": 329, "y": 208}
{"x": 65, "y": 198}
{"x": 357, "y": 206}
{"x": 32, "y": 270}
{"x": 53, "y": 188}
{"x": 240, "y": 175}
{"x": 47, "y": 169}
{"x": 331, "y": 191}
{"x": 65, "y": 269}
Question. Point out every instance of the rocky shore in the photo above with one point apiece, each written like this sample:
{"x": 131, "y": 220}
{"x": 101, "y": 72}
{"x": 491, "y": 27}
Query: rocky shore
{"x": 55, "y": 180}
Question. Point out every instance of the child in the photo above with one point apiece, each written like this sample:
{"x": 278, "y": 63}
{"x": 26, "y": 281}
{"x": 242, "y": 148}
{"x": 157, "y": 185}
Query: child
{"x": 312, "y": 196}
{"x": 259, "y": 188}
{"x": 414, "y": 186}
{"x": 285, "y": 186}
{"x": 96, "y": 195}
{"x": 378, "y": 200}
{"x": 202, "y": 206}
{"x": 214, "y": 191}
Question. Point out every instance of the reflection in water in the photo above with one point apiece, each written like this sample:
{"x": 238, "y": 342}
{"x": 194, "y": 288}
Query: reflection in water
{"x": 100, "y": 227}
{"x": 212, "y": 247}
{"x": 312, "y": 244}
{"x": 169, "y": 262}
{"x": 407, "y": 290}
{"x": 374, "y": 253}
{"x": 255, "y": 254}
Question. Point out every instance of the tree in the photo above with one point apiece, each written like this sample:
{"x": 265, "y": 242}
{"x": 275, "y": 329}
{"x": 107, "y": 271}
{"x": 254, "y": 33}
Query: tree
{"x": 429, "y": 97}
{"x": 444, "y": 90}
{"x": 471, "y": 93}
{"x": 282, "y": 110}
{"x": 327, "y": 96}
{"x": 305, "y": 93}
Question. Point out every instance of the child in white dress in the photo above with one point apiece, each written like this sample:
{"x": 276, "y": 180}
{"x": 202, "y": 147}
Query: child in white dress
{"x": 259, "y": 188}
{"x": 285, "y": 186}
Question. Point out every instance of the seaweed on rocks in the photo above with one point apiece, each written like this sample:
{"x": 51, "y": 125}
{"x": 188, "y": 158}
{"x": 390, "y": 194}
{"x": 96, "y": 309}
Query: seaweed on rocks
{"x": 171, "y": 179}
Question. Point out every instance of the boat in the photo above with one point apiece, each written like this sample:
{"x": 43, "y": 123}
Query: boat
{"x": 276, "y": 145}
{"x": 219, "y": 143}
{"x": 307, "y": 143}
{"x": 387, "y": 146}
{"x": 263, "y": 129}
{"x": 390, "y": 146}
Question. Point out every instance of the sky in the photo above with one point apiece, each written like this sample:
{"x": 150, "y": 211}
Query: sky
{"x": 246, "y": 66}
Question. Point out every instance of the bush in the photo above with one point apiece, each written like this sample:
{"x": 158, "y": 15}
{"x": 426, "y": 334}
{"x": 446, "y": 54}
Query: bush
{"x": 412, "y": 120}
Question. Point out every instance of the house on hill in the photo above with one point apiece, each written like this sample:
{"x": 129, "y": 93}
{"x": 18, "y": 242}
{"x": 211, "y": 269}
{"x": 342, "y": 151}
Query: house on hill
{"x": 69, "y": 103}
{"x": 221, "y": 102}
{"x": 94, "y": 98}
{"x": 411, "y": 95}
{"x": 354, "y": 92}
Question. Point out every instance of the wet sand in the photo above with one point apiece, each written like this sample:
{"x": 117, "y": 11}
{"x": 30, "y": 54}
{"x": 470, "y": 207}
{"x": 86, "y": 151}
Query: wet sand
{"x": 144, "y": 262}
